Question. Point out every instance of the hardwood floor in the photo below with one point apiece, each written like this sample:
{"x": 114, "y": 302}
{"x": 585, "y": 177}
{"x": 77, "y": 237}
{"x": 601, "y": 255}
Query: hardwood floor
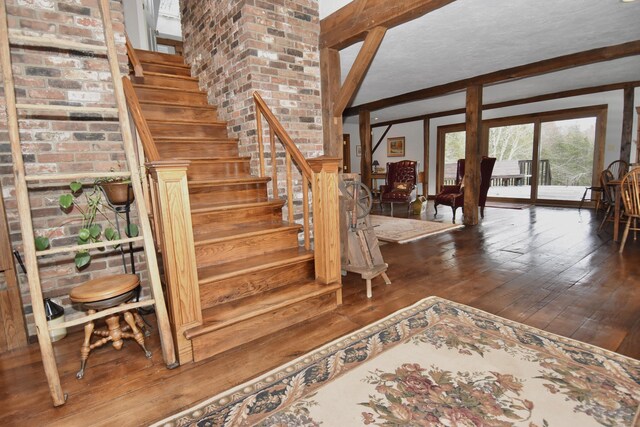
{"x": 545, "y": 267}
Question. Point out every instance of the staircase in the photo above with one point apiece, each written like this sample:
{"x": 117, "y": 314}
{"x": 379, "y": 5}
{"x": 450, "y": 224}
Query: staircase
{"x": 253, "y": 277}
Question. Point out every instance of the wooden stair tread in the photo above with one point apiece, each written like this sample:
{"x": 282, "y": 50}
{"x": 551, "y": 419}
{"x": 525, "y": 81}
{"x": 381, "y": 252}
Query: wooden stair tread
{"x": 223, "y": 315}
{"x": 244, "y": 231}
{"x": 213, "y": 273}
{"x": 228, "y": 181}
{"x": 172, "y": 104}
{"x": 164, "y": 63}
{"x": 205, "y": 159}
{"x": 147, "y": 53}
{"x": 165, "y": 88}
{"x": 170, "y": 76}
{"x": 206, "y": 208}
{"x": 196, "y": 139}
{"x": 187, "y": 122}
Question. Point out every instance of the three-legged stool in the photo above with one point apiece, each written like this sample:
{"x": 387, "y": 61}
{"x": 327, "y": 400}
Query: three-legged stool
{"x": 103, "y": 293}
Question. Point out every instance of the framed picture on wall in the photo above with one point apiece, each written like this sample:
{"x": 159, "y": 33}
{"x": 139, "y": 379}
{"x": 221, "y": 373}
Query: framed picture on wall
{"x": 395, "y": 147}
{"x": 358, "y": 151}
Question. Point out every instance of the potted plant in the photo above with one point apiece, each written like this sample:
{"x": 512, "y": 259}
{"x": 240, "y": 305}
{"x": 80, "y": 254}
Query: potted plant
{"x": 90, "y": 205}
{"x": 117, "y": 189}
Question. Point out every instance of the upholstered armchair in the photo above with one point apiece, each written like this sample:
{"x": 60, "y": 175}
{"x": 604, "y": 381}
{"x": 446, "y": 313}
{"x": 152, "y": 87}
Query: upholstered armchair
{"x": 399, "y": 184}
{"x": 453, "y": 195}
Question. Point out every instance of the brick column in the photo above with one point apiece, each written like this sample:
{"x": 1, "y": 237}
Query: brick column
{"x": 237, "y": 47}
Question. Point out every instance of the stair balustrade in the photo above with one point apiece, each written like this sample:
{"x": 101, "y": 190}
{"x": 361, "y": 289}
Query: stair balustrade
{"x": 322, "y": 173}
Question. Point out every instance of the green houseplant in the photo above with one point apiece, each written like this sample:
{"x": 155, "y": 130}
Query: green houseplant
{"x": 91, "y": 206}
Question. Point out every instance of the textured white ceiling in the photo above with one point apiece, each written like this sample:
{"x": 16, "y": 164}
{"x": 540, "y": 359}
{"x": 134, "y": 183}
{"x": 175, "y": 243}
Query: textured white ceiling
{"x": 469, "y": 38}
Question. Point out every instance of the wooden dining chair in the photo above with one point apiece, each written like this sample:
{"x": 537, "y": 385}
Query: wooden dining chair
{"x": 630, "y": 194}
{"x": 608, "y": 196}
{"x": 618, "y": 168}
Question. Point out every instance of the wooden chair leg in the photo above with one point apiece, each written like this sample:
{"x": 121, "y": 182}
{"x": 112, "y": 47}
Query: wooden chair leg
{"x": 624, "y": 236}
{"x": 369, "y": 293}
{"x": 137, "y": 335}
{"x": 606, "y": 216}
{"x": 140, "y": 322}
{"x": 391, "y": 208}
{"x": 86, "y": 346}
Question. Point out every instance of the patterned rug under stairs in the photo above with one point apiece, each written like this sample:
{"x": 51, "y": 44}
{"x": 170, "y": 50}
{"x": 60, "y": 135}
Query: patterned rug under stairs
{"x": 254, "y": 278}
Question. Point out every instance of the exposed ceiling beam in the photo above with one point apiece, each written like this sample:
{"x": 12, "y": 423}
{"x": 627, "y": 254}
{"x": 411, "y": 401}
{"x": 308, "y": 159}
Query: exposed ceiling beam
{"x": 528, "y": 70}
{"x": 520, "y": 101}
{"x": 351, "y": 23}
{"x": 358, "y": 70}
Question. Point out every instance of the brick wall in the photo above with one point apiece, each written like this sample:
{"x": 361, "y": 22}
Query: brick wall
{"x": 77, "y": 143}
{"x": 237, "y": 47}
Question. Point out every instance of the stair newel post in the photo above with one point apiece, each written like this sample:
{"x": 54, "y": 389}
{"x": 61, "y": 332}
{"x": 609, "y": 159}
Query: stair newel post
{"x": 178, "y": 249}
{"x": 326, "y": 223}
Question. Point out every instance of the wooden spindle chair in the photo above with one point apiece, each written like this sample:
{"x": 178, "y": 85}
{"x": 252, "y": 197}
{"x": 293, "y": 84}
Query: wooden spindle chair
{"x": 608, "y": 196}
{"x": 630, "y": 194}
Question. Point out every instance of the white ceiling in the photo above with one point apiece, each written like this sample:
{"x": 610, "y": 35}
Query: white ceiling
{"x": 468, "y": 38}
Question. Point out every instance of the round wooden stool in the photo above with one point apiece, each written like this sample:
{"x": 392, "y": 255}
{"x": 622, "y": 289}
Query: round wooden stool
{"x": 100, "y": 294}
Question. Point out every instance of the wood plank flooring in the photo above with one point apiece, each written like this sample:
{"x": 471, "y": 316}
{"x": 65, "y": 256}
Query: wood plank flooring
{"x": 545, "y": 267}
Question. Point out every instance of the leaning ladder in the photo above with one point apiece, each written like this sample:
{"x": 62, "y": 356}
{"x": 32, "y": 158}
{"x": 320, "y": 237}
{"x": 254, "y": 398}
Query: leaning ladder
{"x": 22, "y": 195}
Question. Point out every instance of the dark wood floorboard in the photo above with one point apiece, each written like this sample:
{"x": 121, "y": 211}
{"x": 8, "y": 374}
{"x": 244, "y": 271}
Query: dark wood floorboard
{"x": 545, "y": 267}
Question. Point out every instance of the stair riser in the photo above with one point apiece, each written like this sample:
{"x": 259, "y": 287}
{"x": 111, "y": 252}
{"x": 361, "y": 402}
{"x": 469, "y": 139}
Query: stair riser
{"x": 241, "y": 248}
{"x": 231, "y": 169}
{"x": 165, "y": 69}
{"x": 171, "y": 130}
{"x": 148, "y": 56}
{"x": 246, "y": 285}
{"x": 153, "y": 80}
{"x": 229, "y": 193}
{"x": 167, "y": 112}
{"x": 216, "y": 342}
{"x": 176, "y": 97}
{"x": 225, "y": 220}
{"x": 171, "y": 150}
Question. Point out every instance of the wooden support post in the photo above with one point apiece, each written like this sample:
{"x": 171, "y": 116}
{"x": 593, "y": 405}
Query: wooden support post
{"x": 358, "y": 70}
{"x": 330, "y": 83}
{"x": 365, "y": 142}
{"x": 425, "y": 178}
{"x": 472, "y": 154}
{"x": 326, "y": 223}
{"x": 627, "y": 125}
{"x": 178, "y": 250}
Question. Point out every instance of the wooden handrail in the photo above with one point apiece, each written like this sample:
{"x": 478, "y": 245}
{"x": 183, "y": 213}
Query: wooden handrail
{"x": 133, "y": 59}
{"x": 149, "y": 145}
{"x": 321, "y": 174}
{"x": 283, "y": 136}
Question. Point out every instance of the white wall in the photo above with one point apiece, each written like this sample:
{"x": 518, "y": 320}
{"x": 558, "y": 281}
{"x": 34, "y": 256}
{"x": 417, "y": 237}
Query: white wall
{"x": 134, "y": 21}
{"x": 413, "y": 132}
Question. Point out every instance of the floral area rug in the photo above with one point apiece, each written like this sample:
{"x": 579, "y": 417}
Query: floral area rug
{"x": 436, "y": 363}
{"x": 401, "y": 230}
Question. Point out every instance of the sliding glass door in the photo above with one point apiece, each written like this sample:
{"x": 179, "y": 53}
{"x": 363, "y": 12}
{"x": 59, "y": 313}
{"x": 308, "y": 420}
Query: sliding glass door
{"x": 513, "y": 148}
{"x": 545, "y": 158}
{"x": 566, "y": 158}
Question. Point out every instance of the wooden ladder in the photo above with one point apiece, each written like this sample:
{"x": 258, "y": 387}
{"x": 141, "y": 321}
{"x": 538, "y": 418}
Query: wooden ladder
{"x": 22, "y": 180}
